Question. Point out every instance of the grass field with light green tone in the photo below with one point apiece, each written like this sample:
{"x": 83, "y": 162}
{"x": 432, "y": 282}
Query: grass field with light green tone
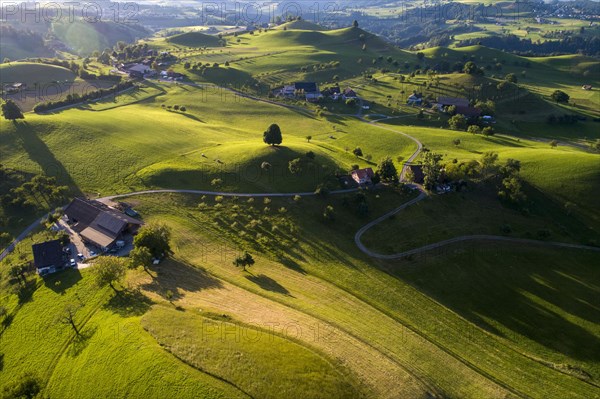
{"x": 470, "y": 320}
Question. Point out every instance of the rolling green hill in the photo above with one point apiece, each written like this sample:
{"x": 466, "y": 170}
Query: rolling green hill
{"x": 34, "y": 73}
{"x": 301, "y": 25}
{"x": 314, "y": 316}
{"x": 194, "y": 39}
{"x": 84, "y": 38}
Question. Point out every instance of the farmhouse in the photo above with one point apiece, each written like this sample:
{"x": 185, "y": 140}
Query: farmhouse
{"x": 586, "y": 87}
{"x": 448, "y": 101}
{"x": 309, "y": 89}
{"x": 363, "y": 176}
{"x": 415, "y": 99}
{"x": 99, "y": 224}
{"x": 349, "y": 93}
{"x": 468, "y": 111}
{"x": 48, "y": 257}
{"x": 138, "y": 70}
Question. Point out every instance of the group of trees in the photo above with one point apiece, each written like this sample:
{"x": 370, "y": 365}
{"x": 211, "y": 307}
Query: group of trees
{"x": 151, "y": 242}
{"x": 39, "y": 192}
{"x": 588, "y": 45}
{"x": 79, "y": 70}
{"x": 506, "y": 177}
{"x": 11, "y": 111}
{"x": 511, "y": 187}
{"x": 566, "y": 119}
{"x": 77, "y": 98}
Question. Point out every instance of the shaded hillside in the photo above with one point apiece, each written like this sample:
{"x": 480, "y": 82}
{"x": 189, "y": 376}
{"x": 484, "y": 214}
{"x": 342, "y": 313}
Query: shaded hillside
{"x": 84, "y": 38}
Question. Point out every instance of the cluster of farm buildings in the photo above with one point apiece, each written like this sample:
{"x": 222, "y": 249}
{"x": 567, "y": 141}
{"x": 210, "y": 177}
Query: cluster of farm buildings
{"x": 310, "y": 92}
{"x": 97, "y": 225}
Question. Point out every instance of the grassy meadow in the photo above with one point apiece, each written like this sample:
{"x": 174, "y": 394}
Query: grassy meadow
{"x": 314, "y": 317}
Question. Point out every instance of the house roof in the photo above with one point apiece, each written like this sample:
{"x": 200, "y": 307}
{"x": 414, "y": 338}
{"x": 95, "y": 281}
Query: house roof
{"x": 308, "y": 87}
{"x": 453, "y": 101}
{"x": 349, "y": 92}
{"x": 97, "y": 222}
{"x": 82, "y": 211}
{"x": 101, "y": 238}
{"x": 138, "y": 68}
{"x": 467, "y": 110}
{"x": 47, "y": 254}
{"x": 363, "y": 174}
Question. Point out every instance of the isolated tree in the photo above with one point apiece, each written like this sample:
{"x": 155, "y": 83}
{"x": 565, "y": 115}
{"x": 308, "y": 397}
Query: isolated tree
{"x": 272, "y": 135}
{"x": 554, "y": 144}
{"x": 488, "y": 163}
{"x": 456, "y": 142}
{"x": 295, "y": 166}
{"x": 486, "y": 107}
{"x": 511, "y": 77}
{"x": 68, "y": 317}
{"x": 244, "y": 261}
{"x": 487, "y": 131}
{"x": 108, "y": 270}
{"x": 420, "y": 56}
{"x": 11, "y": 111}
{"x": 471, "y": 68}
{"x": 355, "y": 24}
{"x": 387, "y": 170}
{"x": 308, "y": 138}
{"x": 457, "y": 122}
{"x": 357, "y": 151}
{"x": 140, "y": 256}
{"x": 475, "y": 129}
{"x": 560, "y": 96}
{"x": 511, "y": 167}
{"x": 431, "y": 169}
{"x": 512, "y": 190}
{"x": 156, "y": 238}
{"x": 17, "y": 272}
{"x": 329, "y": 213}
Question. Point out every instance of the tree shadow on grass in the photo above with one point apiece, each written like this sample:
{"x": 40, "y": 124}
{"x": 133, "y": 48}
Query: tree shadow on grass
{"x": 25, "y": 291}
{"x": 129, "y": 302}
{"x": 60, "y": 282}
{"x": 526, "y": 290}
{"x": 1, "y": 361}
{"x": 193, "y": 117}
{"x": 6, "y": 322}
{"x": 81, "y": 341}
{"x": 173, "y": 278}
{"x": 504, "y": 141}
{"x": 39, "y": 152}
{"x": 268, "y": 284}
